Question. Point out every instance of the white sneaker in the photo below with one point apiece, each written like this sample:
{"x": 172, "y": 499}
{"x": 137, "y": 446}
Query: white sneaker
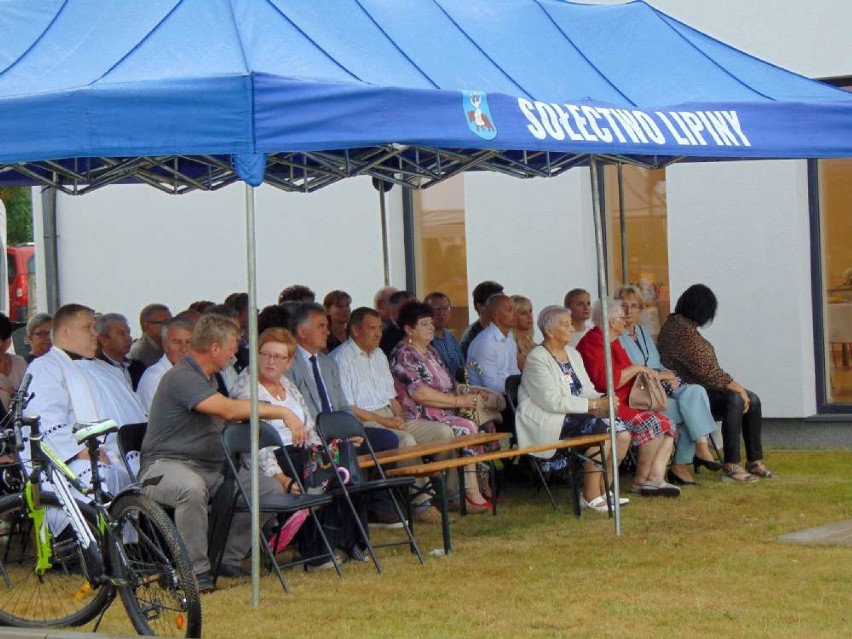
{"x": 622, "y": 501}
{"x": 598, "y": 504}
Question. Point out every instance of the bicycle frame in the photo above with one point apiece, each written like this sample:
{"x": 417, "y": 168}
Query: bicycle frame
{"x": 47, "y": 463}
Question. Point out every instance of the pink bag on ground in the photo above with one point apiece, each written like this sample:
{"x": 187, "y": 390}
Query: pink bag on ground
{"x": 280, "y": 541}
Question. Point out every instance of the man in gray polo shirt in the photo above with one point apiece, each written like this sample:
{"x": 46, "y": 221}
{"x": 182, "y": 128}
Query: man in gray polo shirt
{"x": 182, "y": 457}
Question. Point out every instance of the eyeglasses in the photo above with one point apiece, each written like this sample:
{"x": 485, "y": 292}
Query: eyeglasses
{"x": 275, "y": 357}
{"x": 440, "y": 308}
{"x": 41, "y": 333}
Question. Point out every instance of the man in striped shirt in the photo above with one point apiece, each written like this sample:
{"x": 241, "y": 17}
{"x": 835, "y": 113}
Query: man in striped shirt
{"x": 368, "y": 385}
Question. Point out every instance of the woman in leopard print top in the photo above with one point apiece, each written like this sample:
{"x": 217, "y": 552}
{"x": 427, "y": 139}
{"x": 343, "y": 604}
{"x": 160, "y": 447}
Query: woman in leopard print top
{"x": 684, "y": 350}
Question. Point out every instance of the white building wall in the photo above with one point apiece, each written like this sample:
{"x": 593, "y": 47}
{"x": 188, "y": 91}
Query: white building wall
{"x": 122, "y": 247}
{"x": 742, "y": 229}
{"x": 536, "y": 237}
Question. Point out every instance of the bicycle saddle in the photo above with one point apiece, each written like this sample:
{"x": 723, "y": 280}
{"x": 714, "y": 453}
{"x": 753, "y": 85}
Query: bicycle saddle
{"x": 84, "y": 431}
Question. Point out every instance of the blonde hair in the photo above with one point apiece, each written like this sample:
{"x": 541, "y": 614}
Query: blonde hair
{"x": 212, "y": 329}
{"x": 630, "y": 289}
{"x": 524, "y": 339}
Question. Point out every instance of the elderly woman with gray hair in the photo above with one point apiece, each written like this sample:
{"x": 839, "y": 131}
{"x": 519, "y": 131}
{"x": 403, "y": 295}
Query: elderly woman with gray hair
{"x": 688, "y": 404}
{"x": 652, "y": 433}
{"x": 557, "y": 400}
{"x": 39, "y": 327}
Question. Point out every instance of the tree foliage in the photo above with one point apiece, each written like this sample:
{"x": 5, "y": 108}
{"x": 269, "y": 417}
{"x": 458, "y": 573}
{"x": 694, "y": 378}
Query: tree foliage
{"x": 19, "y": 214}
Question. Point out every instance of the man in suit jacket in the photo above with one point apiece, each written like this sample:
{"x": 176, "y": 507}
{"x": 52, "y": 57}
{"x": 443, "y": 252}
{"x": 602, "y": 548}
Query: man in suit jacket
{"x": 318, "y": 379}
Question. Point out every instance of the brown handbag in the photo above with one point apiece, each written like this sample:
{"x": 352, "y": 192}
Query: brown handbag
{"x": 647, "y": 393}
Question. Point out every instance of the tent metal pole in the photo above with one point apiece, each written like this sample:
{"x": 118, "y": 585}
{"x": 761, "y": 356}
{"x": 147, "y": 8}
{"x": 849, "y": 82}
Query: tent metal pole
{"x": 254, "y": 417}
{"x": 622, "y": 222}
{"x": 385, "y": 239}
{"x": 597, "y": 183}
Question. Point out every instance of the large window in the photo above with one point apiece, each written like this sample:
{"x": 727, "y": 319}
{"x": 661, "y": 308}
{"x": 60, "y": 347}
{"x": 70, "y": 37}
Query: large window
{"x": 834, "y": 179}
{"x": 637, "y": 236}
{"x": 440, "y": 250}
{"x": 831, "y": 239}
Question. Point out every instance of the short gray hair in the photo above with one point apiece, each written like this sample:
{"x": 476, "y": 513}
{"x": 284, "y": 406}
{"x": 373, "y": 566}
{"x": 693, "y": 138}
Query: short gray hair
{"x": 304, "y": 312}
{"x": 103, "y": 322}
{"x": 181, "y": 321}
{"x": 613, "y": 307}
{"x": 39, "y": 319}
{"x": 549, "y": 316}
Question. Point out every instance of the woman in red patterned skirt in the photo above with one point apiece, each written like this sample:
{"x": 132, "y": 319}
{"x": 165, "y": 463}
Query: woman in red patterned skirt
{"x": 652, "y": 433}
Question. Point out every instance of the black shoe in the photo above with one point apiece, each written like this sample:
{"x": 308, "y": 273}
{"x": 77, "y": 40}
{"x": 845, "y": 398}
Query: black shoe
{"x": 680, "y": 481}
{"x": 227, "y": 570}
{"x": 205, "y": 582}
{"x": 697, "y": 463}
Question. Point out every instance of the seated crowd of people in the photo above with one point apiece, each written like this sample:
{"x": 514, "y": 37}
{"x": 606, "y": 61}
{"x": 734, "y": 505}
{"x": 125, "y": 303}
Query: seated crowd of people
{"x": 396, "y": 367}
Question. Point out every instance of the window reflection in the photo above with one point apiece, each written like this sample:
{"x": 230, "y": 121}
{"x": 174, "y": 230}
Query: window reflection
{"x": 637, "y": 236}
{"x": 835, "y": 210}
{"x": 440, "y": 247}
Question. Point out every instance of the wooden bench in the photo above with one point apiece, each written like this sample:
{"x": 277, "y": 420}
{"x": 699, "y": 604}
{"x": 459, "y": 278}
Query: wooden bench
{"x": 430, "y": 449}
{"x": 435, "y": 471}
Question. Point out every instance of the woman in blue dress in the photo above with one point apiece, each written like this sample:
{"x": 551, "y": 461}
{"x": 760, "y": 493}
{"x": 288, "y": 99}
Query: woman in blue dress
{"x": 688, "y": 405}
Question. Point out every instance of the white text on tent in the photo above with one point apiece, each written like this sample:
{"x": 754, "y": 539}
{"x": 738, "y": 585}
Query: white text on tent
{"x": 584, "y": 123}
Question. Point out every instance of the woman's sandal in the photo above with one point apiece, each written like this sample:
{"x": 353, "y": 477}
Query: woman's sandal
{"x": 737, "y": 474}
{"x": 759, "y": 468}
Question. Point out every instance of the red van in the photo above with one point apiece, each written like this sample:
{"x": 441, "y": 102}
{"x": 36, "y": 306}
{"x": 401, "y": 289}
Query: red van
{"x": 20, "y": 261}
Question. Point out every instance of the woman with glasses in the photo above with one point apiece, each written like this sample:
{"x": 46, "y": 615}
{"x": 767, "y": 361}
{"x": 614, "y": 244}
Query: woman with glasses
{"x": 426, "y": 390}
{"x": 276, "y": 347}
{"x": 652, "y": 433}
{"x": 38, "y": 335}
{"x": 688, "y": 405}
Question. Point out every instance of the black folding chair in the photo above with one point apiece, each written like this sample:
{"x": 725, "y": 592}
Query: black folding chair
{"x": 344, "y": 425}
{"x": 129, "y": 438}
{"x": 575, "y": 458}
{"x": 231, "y": 498}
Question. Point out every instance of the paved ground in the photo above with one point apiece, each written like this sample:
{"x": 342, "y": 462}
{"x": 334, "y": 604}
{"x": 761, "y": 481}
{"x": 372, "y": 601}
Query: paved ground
{"x": 837, "y": 534}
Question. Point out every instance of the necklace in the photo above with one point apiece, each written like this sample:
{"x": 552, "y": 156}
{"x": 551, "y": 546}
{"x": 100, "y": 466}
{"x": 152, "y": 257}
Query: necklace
{"x": 644, "y": 350}
{"x": 554, "y": 356}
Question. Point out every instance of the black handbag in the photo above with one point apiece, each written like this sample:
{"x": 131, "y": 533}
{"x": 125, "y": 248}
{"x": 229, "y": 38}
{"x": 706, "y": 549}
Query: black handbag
{"x": 320, "y": 468}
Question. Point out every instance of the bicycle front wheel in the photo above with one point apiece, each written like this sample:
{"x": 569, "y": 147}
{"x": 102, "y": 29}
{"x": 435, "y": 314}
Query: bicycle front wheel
{"x": 160, "y": 591}
{"x": 59, "y": 596}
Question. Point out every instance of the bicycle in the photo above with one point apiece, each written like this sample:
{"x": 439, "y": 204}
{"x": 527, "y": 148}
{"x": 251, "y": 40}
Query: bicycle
{"x": 125, "y": 545}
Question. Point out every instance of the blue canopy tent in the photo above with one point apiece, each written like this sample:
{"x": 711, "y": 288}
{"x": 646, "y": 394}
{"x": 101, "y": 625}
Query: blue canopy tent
{"x": 198, "y": 94}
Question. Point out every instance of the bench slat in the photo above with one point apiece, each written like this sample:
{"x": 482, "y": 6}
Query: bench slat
{"x": 430, "y": 448}
{"x": 446, "y": 464}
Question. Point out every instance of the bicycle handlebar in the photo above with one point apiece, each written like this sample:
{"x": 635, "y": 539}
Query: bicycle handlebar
{"x": 19, "y": 403}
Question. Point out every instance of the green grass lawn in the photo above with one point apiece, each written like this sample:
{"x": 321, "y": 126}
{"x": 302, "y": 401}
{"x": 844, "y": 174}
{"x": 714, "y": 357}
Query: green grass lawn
{"x": 704, "y": 565}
